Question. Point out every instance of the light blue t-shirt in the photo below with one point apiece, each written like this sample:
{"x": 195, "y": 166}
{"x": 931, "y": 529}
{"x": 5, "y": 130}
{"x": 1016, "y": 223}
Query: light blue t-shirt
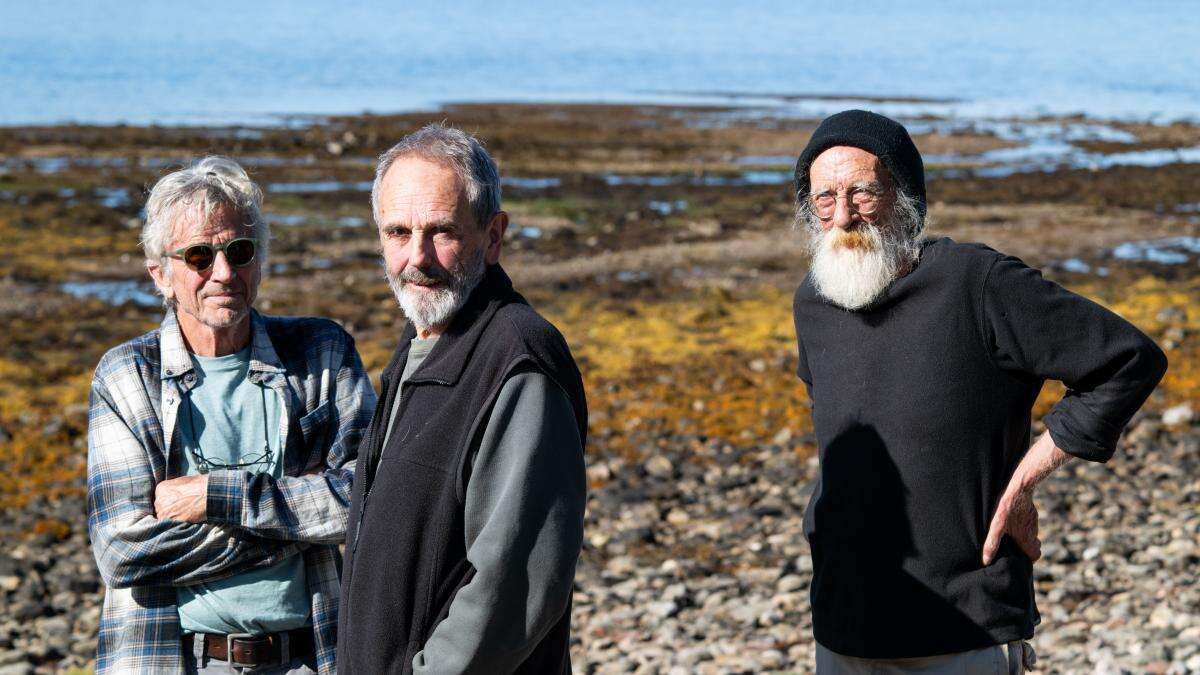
{"x": 229, "y": 422}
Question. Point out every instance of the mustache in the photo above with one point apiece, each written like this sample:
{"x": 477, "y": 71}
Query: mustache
{"x": 416, "y": 275}
{"x": 220, "y": 290}
{"x": 854, "y": 240}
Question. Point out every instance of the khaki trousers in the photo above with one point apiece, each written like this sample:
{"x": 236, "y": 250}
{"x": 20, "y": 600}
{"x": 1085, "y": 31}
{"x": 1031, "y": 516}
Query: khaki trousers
{"x": 1008, "y": 659}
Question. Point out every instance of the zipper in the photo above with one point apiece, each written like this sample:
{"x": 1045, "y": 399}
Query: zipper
{"x": 372, "y": 472}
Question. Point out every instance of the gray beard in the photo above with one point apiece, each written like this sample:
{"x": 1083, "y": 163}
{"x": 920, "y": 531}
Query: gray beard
{"x": 852, "y": 269}
{"x": 435, "y": 308}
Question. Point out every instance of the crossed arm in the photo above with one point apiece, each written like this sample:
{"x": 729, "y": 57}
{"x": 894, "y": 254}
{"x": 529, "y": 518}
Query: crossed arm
{"x": 310, "y": 507}
{"x": 195, "y": 529}
{"x": 131, "y": 545}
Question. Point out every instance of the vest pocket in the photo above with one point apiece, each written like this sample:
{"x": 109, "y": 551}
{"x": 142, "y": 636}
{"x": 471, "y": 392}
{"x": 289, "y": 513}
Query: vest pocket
{"x": 421, "y": 443}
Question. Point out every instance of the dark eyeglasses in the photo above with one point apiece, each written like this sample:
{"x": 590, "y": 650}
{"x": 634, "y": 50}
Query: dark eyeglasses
{"x": 200, "y": 257}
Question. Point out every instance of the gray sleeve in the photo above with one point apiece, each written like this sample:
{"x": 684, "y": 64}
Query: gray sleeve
{"x": 524, "y": 528}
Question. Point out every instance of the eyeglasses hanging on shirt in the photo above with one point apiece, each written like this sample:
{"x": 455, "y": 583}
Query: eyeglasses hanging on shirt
{"x": 260, "y": 459}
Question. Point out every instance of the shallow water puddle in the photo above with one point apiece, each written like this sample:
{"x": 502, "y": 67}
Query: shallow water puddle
{"x": 1077, "y": 266}
{"x": 286, "y": 219}
{"x": 114, "y": 198}
{"x": 517, "y": 182}
{"x": 766, "y": 160}
{"x": 666, "y": 208}
{"x": 1171, "y": 251}
{"x": 115, "y": 293}
{"x": 320, "y": 186}
{"x": 703, "y": 180}
{"x": 522, "y": 183}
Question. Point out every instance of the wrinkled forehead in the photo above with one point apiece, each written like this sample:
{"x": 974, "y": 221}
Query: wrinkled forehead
{"x": 416, "y": 190}
{"x": 843, "y": 165}
{"x": 193, "y": 221}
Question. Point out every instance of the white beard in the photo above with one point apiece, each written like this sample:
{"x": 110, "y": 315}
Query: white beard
{"x": 431, "y": 308}
{"x": 852, "y": 269}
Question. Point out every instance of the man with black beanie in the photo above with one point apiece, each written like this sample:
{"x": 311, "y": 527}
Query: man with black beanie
{"x": 922, "y": 359}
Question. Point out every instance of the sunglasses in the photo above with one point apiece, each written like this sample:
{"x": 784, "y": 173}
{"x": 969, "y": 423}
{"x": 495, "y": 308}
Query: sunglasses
{"x": 200, "y": 257}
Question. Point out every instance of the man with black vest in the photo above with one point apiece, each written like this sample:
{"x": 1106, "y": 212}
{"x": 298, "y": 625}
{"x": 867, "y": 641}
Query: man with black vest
{"x": 467, "y": 514}
{"x": 923, "y": 359}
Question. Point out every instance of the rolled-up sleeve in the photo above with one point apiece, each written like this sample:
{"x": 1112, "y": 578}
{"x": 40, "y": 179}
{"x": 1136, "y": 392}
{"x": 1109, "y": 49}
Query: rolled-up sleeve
{"x": 1108, "y": 366}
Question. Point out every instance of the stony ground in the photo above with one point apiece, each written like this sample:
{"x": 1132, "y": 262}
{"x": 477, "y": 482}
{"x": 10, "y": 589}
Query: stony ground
{"x": 657, "y": 239}
{"x": 695, "y": 563}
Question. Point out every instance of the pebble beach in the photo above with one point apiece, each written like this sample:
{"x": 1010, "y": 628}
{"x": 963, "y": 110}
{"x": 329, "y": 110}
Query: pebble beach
{"x": 658, "y": 238}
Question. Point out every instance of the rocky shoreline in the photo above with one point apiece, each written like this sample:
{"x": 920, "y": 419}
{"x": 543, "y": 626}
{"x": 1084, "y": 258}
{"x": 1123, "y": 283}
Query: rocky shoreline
{"x": 1116, "y": 588}
{"x": 658, "y": 240}
{"x": 695, "y": 563}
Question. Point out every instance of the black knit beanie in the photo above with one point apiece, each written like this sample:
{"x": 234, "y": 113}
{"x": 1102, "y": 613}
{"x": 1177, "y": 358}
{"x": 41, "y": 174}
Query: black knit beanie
{"x": 885, "y": 138}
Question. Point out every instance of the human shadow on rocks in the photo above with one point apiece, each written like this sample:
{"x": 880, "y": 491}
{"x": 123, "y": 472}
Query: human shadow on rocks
{"x": 866, "y": 601}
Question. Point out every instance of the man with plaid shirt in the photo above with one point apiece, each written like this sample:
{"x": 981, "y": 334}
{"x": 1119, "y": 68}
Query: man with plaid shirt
{"x": 221, "y": 449}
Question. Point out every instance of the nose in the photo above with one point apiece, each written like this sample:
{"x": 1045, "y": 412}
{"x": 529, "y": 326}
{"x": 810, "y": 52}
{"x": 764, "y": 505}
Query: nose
{"x": 420, "y": 249}
{"x": 222, "y": 271}
{"x": 843, "y": 215}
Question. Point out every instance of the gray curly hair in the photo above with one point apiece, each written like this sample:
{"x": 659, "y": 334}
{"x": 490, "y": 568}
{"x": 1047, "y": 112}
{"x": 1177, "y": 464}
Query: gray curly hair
{"x": 206, "y": 185}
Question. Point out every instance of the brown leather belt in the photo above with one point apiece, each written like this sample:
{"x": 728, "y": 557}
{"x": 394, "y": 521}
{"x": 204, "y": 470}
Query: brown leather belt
{"x": 248, "y": 651}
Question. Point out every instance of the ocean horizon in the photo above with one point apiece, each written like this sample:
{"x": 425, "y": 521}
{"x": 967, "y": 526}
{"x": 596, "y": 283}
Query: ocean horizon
{"x": 263, "y": 63}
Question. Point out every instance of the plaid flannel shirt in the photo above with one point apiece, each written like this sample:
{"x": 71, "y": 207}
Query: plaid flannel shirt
{"x": 253, "y": 520}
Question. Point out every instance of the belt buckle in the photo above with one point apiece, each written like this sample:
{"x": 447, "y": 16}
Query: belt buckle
{"x": 229, "y": 649}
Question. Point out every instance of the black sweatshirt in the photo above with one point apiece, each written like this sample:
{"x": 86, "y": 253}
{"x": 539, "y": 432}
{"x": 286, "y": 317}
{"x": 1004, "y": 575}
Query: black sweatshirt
{"x": 921, "y": 408}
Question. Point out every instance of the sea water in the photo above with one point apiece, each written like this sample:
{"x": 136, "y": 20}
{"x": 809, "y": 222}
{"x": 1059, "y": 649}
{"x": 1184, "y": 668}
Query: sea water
{"x": 225, "y": 62}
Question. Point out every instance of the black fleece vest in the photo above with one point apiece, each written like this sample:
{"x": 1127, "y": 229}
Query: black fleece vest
{"x": 405, "y": 542}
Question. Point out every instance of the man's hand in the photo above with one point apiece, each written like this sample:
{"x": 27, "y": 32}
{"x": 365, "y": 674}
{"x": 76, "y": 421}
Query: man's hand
{"x": 1016, "y": 515}
{"x": 184, "y": 499}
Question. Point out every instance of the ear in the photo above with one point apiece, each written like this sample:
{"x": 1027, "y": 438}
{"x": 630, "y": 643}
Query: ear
{"x": 162, "y": 278}
{"x": 494, "y": 233}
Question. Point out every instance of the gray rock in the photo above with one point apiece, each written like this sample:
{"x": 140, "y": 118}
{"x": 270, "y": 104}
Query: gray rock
{"x": 53, "y": 426}
{"x": 1180, "y": 414}
{"x": 662, "y": 610}
{"x": 84, "y": 646}
{"x": 790, "y": 583}
{"x": 659, "y": 467}
{"x": 23, "y": 668}
{"x": 25, "y": 610}
{"x": 54, "y": 629}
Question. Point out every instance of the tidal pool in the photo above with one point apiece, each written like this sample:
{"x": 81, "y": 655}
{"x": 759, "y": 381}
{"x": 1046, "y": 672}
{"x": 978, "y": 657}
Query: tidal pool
{"x": 115, "y": 293}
